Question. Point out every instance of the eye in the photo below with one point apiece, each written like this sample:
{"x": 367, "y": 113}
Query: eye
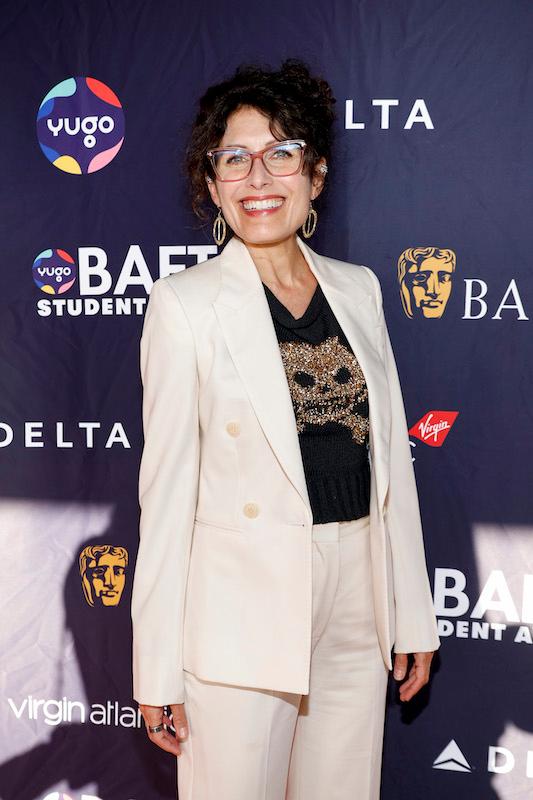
{"x": 236, "y": 158}
{"x": 284, "y": 153}
{"x": 281, "y": 152}
{"x": 304, "y": 379}
{"x": 98, "y": 572}
{"x": 343, "y": 375}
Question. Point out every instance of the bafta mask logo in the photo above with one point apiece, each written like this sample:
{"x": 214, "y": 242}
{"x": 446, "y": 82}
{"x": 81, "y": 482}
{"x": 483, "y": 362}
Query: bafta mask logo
{"x": 425, "y": 278}
{"x": 326, "y": 385}
{"x": 103, "y": 573}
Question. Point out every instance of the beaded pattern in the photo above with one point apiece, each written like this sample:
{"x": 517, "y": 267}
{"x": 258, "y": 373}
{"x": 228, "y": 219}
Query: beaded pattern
{"x": 326, "y": 385}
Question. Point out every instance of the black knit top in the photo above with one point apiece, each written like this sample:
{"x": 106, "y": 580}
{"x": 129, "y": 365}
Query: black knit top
{"x": 330, "y": 401}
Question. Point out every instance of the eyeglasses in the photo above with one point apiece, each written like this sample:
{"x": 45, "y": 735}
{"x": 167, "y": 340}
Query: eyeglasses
{"x": 235, "y": 163}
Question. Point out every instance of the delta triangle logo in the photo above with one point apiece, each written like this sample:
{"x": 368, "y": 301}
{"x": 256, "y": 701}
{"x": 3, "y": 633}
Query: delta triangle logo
{"x": 452, "y": 759}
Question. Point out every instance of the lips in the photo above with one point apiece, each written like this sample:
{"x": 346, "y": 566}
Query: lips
{"x": 261, "y": 205}
{"x": 262, "y": 197}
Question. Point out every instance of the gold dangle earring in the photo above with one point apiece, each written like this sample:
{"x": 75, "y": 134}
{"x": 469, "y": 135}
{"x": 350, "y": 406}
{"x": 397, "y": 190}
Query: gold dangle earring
{"x": 219, "y": 228}
{"x": 309, "y": 226}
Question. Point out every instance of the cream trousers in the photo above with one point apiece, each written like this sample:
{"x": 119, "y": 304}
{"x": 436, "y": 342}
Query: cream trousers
{"x": 255, "y": 744}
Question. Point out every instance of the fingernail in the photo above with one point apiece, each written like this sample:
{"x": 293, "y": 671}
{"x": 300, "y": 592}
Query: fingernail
{"x": 397, "y": 675}
{"x": 182, "y": 733}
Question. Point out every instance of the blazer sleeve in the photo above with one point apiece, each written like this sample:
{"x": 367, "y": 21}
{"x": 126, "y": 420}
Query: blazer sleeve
{"x": 416, "y": 625}
{"x": 168, "y": 490}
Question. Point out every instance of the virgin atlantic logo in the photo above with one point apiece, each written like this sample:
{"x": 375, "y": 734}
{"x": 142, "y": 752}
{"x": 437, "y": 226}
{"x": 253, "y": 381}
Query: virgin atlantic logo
{"x": 434, "y": 427}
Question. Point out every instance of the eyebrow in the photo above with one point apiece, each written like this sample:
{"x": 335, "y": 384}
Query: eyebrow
{"x": 243, "y": 146}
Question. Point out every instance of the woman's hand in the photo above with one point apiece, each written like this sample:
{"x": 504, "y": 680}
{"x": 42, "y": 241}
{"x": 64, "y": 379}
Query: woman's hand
{"x": 418, "y": 674}
{"x": 166, "y": 739}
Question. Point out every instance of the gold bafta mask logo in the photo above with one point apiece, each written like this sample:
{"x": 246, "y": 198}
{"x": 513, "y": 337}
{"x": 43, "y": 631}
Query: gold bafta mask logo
{"x": 326, "y": 385}
{"x": 425, "y": 278}
{"x": 103, "y": 573}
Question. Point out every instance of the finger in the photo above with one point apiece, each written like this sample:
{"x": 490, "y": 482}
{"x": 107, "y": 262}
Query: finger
{"x": 415, "y": 682}
{"x": 418, "y": 676}
{"x": 410, "y": 693}
{"x": 167, "y": 720}
{"x": 166, "y": 742}
{"x": 179, "y": 720}
{"x": 406, "y": 685}
{"x": 165, "y": 739}
{"x": 400, "y": 666}
{"x": 414, "y": 673}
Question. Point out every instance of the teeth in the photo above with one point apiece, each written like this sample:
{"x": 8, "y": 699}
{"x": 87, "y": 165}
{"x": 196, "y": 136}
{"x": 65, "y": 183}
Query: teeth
{"x": 256, "y": 205}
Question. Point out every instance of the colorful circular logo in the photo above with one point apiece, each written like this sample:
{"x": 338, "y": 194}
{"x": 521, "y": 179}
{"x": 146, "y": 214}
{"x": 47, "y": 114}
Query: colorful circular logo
{"x": 80, "y": 125}
{"x": 54, "y": 271}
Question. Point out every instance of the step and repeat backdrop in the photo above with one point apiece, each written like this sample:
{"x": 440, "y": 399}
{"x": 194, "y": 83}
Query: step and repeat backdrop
{"x": 430, "y": 185}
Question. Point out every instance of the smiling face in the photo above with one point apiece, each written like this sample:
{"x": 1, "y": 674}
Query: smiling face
{"x": 247, "y": 127}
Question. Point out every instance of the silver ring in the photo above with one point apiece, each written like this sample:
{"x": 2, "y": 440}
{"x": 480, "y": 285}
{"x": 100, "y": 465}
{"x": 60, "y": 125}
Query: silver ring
{"x": 156, "y": 728}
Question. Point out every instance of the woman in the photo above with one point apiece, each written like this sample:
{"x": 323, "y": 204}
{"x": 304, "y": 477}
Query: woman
{"x": 281, "y": 553}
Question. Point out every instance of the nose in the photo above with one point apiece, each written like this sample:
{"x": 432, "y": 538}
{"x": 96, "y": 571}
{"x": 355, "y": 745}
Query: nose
{"x": 433, "y": 286}
{"x": 258, "y": 176}
{"x": 109, "y": 578}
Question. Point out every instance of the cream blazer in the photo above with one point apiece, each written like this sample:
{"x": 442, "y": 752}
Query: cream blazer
{"x": 222, "y": 583}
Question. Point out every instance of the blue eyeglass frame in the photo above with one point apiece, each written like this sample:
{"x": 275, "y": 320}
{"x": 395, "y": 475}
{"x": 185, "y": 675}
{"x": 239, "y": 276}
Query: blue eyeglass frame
{"x": 258, "y": 154}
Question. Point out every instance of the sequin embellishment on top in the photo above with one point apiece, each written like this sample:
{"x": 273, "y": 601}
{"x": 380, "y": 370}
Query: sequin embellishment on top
{"x": 326, "y": 385}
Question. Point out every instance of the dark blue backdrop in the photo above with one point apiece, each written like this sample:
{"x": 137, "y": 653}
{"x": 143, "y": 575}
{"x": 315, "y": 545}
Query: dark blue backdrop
{"x": 449, "y": 167}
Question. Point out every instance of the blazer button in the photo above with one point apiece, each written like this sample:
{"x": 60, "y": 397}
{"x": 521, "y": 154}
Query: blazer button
{"x": 233, "y": 428}
{"x": 251, "y": 509}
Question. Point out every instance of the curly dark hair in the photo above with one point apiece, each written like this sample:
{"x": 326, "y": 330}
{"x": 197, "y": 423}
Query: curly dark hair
{"x": 298, "y": 105}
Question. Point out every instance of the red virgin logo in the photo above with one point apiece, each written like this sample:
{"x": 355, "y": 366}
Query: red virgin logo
{"x": 434, "y": 427}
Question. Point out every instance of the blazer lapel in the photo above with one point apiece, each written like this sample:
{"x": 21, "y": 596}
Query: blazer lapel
{"x": 353, "y": 305}
{"x": 244, "y": 316}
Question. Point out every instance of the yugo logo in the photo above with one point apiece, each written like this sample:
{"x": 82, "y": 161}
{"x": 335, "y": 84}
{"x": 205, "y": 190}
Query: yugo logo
{"x": 88, "y": 125}
{"x": 54, "y": 271}
{"x": 80, "y": 125}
